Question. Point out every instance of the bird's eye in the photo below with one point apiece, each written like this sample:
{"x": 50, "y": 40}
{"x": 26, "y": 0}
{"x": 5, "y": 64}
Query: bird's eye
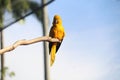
{"x": 56, "y": 21}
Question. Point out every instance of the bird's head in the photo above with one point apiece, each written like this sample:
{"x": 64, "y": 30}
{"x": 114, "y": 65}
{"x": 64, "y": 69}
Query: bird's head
{"x": 57, "y": 19}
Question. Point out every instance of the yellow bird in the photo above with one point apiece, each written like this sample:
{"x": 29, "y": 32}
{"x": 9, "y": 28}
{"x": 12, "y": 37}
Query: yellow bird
{"x": 57, "y": 31}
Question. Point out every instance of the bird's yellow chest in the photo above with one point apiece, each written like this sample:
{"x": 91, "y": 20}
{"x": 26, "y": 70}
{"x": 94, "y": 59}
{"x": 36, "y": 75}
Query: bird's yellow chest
{"x": 58, "y": 32}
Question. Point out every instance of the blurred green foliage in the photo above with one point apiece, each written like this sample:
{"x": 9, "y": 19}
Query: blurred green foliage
{"x": 5, "y": 72}
{"x": 18, "y": 8}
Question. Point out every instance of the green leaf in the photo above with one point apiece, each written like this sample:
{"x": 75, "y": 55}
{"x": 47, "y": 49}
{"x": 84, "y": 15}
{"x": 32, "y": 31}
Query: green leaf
{"x": 4, "y": 70}
{"x": 11, "y": 74}
{"x": 22, "y": 21}
{"x": 8, "y": 6}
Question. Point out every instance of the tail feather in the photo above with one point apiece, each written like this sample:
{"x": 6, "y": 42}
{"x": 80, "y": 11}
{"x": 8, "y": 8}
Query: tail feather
{"x": 52, "y": 53}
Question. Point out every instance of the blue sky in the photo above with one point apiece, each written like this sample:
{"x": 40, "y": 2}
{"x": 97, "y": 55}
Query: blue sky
{"x": 90, "y": 50}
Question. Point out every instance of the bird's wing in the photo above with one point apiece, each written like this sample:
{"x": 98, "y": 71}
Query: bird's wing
{"x": 50, "y": 45}
{"x": 58, "y": 45}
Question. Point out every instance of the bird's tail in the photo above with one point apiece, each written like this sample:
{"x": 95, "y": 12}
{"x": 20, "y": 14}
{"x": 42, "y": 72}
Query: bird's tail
{"x": 52, "y": 56}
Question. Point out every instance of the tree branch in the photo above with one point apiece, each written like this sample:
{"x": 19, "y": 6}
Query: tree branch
{"x": 27, "y": 42}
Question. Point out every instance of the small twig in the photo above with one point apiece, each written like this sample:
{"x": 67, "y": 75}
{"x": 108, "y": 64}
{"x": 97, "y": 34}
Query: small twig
{"x": 27, "y": 42}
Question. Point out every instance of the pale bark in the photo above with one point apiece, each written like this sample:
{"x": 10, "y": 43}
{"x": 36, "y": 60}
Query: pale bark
{"x": 27, "y": 42}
